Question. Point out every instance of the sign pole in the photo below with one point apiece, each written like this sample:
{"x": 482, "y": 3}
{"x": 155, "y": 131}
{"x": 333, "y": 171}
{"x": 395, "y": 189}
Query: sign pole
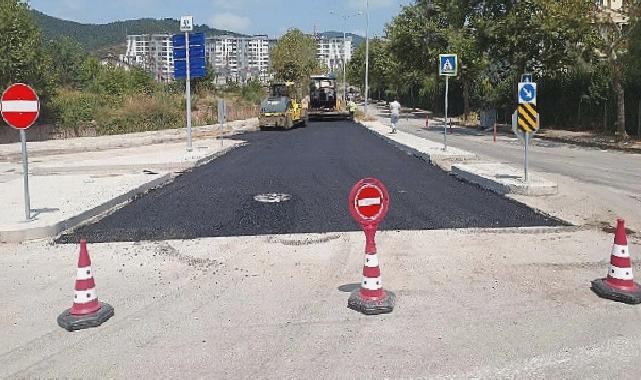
{"x": 527, "y": 142}
{"x": 447, "y": 91}
{"x": 188, "y": 93}
{"x": 25, "y": 174}
{"x": 639, "y": 120}
{"x": 221, "y": 120}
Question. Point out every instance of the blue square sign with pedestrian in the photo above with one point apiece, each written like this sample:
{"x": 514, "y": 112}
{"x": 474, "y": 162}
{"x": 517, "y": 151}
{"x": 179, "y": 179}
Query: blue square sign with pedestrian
{"x": 448, "y": 64}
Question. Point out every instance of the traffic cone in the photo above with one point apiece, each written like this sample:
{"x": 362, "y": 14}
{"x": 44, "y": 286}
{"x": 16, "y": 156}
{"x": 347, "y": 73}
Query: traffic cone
{"x": 86, "y": 311}
{"x": 371, "y": 299}
{"x": 619, "y": 285}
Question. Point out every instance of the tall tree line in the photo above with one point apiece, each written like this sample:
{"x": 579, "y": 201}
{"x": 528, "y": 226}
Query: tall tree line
{"x": 583, "y": 58}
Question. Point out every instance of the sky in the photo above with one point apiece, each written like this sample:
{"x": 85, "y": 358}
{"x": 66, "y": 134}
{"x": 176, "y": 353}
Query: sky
{"x": 272, "y": 17}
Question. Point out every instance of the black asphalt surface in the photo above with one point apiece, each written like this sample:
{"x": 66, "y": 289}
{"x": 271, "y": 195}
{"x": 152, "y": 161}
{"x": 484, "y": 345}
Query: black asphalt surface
{"x": 317, "y": 166}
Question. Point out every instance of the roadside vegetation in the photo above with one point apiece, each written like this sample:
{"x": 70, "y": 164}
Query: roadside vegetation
{"x": 81, "y": 95}
{"x": 588, "y": 67}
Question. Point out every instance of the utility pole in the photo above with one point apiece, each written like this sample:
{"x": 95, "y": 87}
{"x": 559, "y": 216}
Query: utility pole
{"x": 367, "y": 57}
{"x": 345, "y": 62}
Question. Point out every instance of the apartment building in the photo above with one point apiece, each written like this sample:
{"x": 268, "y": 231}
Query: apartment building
{"x": 153, "y": 52}
{"x": 333, "y": 50}
{"x": 239, "y": 59}
{"x": 612, "y": 10}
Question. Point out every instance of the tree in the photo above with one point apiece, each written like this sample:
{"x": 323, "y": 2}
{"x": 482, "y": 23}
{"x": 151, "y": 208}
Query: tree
{"x": 616, "y": 30}
{"x": 381, "y": 67}
{"x": 294, "y": 57}
{"x": 22, "y": 57}
{"x": 67, "y": 57}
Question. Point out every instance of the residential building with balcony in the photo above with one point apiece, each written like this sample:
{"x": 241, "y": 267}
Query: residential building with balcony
{"x": 153, "y": 52}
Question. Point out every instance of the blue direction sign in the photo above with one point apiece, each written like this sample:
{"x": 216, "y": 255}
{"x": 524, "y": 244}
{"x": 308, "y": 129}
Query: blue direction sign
{"x": 527, "y": 93}
{"x": 197, "y": 61}
{"x": 448, "y": 64}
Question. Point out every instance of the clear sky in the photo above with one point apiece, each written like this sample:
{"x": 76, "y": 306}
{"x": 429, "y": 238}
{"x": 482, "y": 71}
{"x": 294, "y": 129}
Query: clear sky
{"x": 272, "y": 17}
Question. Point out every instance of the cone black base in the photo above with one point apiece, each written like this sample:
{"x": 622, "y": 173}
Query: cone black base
{"x": 71, "y": 322}
{"x": 603, "y": 290}
{"x": 371, "y": 307}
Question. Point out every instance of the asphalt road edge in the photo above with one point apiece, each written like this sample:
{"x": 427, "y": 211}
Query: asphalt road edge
{"x": 94, "y": 214}
{"x": 447, "y": 168}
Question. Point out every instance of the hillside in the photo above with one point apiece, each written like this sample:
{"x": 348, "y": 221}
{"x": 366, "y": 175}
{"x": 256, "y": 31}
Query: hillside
{"x": 97, "y": 37}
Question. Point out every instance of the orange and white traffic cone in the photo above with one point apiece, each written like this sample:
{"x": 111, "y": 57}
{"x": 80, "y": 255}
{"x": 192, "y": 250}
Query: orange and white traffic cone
{"x": 619, "y": 285}
{"x": 86, "y": 310}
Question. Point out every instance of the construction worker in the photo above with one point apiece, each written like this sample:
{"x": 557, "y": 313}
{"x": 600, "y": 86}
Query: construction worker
{"x": 352, "y": 108}
{"x": 395, "y": 110}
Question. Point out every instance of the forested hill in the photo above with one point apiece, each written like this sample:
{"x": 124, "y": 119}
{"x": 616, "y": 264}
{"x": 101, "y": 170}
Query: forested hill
{"x": 95, "y": 37}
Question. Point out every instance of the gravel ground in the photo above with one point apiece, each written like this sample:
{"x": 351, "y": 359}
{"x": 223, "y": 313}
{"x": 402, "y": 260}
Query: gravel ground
{"x": 316, "y": 166}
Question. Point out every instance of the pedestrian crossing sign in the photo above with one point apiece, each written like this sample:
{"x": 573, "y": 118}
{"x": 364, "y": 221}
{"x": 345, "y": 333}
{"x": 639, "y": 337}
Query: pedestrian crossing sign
{"x": 448, "y": 64}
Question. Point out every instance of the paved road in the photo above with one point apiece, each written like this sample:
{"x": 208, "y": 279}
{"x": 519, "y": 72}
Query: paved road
{"x": 316, "y": 166}
{"x": 608, "y": 168}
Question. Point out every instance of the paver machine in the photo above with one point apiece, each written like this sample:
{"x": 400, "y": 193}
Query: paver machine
{"x": 281, "y": 109}
{"x": 324, "y": 102}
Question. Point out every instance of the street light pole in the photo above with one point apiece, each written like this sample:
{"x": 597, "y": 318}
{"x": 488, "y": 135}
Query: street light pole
{"x": 345, "y": 60}
{"x": 366, "y": 55}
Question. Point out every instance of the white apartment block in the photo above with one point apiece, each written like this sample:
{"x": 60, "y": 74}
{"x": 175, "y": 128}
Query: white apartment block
{"x": 239, "y": 59}
{"x": 154, "y": 52}
{"x": 611, "y": 10}
{"x": 332, "y": 51}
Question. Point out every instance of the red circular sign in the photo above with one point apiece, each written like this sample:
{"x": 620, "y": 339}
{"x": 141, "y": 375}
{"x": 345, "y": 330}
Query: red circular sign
{"x": 20, "y": 106}
{"x": 369, "y": 201}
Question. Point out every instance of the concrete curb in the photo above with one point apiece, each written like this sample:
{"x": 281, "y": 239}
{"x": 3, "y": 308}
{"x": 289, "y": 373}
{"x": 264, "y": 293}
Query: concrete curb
{"x": 433, "y": 158}
{"x": 135, "y": 141}
{"x": 52, "y": 230}
{"x": 588, "y": 144}
{"x": 480, "y": 174}
{"x": 55, "y": 229}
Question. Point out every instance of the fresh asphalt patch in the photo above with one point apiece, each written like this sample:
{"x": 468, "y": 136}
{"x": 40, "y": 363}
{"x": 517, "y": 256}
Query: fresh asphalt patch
{"x": 298, "y": 181}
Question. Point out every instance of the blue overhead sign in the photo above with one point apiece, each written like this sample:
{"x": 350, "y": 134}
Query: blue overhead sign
{"x": 448, "y": 64}
{"x": 197, "y": 61}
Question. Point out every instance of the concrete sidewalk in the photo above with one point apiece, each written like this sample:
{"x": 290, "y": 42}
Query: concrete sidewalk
{"x": 494, "y": 176}
{"x": 431, "y": 151}
{"x": 75, "y": 180}
{"x": 92, "y": 144}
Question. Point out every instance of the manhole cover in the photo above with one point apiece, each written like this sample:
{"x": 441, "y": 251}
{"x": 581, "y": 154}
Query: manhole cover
{"x": 272, "y": 198}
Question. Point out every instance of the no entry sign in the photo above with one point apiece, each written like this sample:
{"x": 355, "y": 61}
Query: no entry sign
{"x": 20, "y": 106}
{"x": 369, "y": 202}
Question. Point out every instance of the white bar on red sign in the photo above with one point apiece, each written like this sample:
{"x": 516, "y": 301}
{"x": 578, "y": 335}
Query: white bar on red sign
{"x": 19, "y": 106}
{"x": 369, "y": 202}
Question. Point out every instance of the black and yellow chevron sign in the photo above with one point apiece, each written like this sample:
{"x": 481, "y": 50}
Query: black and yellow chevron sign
{"x": 527, "y": 118}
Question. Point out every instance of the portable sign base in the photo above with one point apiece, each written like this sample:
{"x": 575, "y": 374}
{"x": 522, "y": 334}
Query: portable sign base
{"x": 368, "y": 204}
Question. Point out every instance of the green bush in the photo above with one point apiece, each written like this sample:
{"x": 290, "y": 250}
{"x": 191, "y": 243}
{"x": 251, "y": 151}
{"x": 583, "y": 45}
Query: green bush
{"x": 75, "y": 110}
{"x": 141, "y": 113}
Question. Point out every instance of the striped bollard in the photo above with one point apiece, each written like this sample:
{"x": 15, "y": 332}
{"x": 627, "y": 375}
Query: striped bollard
{"x": 368, "y": 204}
